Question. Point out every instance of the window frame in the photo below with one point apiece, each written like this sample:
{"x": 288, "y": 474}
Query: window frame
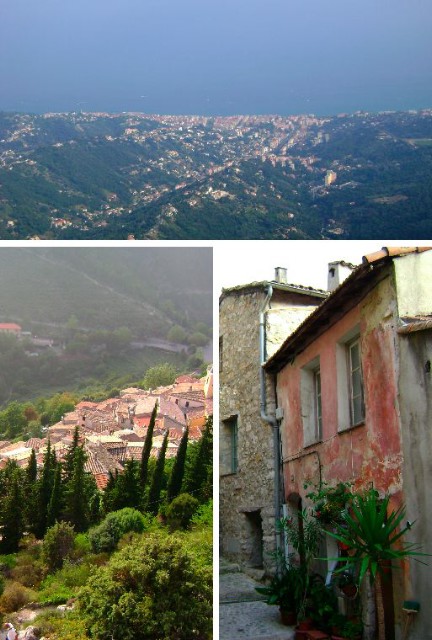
{"x": 353, "y": 369}
{"x": 311, "y": 402}
{"x": 230, "y": 463}
{"x": 345, "y": 387}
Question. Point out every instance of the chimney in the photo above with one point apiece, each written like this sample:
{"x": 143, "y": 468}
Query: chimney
{"x": 338, "y": 272}
{"x": 281, "y": 275}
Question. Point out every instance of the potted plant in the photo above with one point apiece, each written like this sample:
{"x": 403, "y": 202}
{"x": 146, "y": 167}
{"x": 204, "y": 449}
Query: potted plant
{"x": 304, "y": 534}
{"x": 330, "y": 503}
{"x": 321, "y": 603}
{"x": 371, "y": 530}
{"x": 348, "y": 630}
{"x": 347, "y": 583}
{"x": 285, "y": 590}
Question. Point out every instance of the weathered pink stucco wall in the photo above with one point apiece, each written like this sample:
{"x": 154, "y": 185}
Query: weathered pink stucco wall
{"x": 369, "y": 453}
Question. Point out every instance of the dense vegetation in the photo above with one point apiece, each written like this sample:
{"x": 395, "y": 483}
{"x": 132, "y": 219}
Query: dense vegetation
{"x": 83, "y": 176}
{"x": 128, "y": 573}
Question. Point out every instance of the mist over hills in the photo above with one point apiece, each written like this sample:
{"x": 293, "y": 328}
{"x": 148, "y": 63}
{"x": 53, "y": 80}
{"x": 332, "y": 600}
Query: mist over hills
{"x": 95, "y": 318}
{"x": 145, "y": 289}
{"x": 109, "y": 176}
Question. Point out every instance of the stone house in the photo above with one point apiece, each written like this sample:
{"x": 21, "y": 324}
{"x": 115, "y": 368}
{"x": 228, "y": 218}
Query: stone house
{"x": 354, "y": 402}
{"x": 254, "y": 320}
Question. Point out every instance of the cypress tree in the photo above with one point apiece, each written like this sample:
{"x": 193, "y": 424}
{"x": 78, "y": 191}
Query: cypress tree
{"x": 177, "y": 473}
{"x": 77, "y": 494}
{"x": 44, "y": 490}
{"x": 128, "y": 487}
{"x": 110, "y": 495}
{"x": 69, "y": 459}
{"x": 12, "y": 515}
{"x": 31, "y": 489}
{"x": 55, "y": 503}
{"x": 147, "y": 448}
{"x": 31, "y": 471}
{"x": 199, "y": 482}
{"x": 156, "y": 486}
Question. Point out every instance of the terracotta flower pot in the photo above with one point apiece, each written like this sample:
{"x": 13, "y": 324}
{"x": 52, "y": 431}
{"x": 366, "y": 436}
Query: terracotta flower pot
{"x": 350, "y": 590}
{"x": 288, "y": 618}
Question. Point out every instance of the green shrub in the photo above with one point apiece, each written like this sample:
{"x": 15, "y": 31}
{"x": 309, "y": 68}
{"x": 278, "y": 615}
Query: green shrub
{"x": 54, "y": 591}
{"x": 58, "y": 545}
{"x": 81, "y": 545}
{"x": 56, "y": 625}
{"x": 204, "y": 515}
{"x": 29, "y": 574}
{"x": 14, "y": 597}
{"x": 180, "y": 511}
{"x": 154, "y": 590}
{"x": 7, "y": 562}
{"x": 106, "y": 535}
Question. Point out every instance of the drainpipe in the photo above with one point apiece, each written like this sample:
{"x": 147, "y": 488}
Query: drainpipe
{"x": 271, "y": 420}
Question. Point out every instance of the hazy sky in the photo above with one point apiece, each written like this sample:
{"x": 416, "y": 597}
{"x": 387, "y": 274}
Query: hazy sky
{"x": 215, "y": 56}
{"x": 306, "y": 260}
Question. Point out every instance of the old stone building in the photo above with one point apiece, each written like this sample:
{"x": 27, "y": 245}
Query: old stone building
{"x": 354, "y": 399}
{"x": 254, "y": 321}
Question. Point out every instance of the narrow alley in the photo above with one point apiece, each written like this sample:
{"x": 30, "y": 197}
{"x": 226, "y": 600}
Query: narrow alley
{"x": 242, "y": 613}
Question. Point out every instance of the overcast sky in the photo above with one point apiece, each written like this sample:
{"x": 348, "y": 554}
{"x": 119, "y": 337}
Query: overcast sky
{"x": 215, "y": 56}
{"x": 306, "y": 261}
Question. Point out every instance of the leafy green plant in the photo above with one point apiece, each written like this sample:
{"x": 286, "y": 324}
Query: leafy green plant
{"x": 321, "y": 602}
{"x": 180, "y": 511}
{"x": 106, "y": 536}
{"x": 15, "y": 596}
{"x": 55, "y": 625}
{"x": 153, "y": 589}
{"x": 285, "y": 590}
{"x": 330, "y": 502}
{"x": 204, "y": 515}
{"x": 304, "y": 535}
{"x": 58, "y": 545}
{"x": 373, "y": 534}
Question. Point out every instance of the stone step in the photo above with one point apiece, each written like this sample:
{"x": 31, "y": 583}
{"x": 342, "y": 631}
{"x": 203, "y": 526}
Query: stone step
{"x": 228, "y": 567}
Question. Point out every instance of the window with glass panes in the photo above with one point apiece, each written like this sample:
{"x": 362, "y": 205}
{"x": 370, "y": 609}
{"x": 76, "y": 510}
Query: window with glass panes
{"x": 356, "y": 383}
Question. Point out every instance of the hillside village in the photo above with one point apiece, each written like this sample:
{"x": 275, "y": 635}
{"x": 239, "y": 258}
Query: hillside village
{"x": 114, "y": 431}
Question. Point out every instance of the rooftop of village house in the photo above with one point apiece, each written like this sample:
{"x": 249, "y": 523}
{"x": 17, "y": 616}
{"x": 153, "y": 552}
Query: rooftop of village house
{"x": 345, "y": 296}
{"x": 277, "y": 284}
{"x": 114, "y": 430}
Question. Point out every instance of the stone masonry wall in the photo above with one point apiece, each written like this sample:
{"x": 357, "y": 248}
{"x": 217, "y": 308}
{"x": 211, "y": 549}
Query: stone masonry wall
{"x": 247, "y": 496}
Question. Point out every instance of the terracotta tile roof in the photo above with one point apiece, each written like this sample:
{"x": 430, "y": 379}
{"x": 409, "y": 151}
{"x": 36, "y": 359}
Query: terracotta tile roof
{"x": 86, "y": 405}
{"x": 145, "y": 405}
{"x": 13, "y": 446}
{"x": 392, "y": 252}
{"x": 101, "y": 480}
{"x": 73, "y": 417}
{"x": 9, "y": 326}
{"x": 196, "y": 395}
{"x": 99, "y": 460}
{"x": 131, "y": 391}
{"x": 289, "y": 288}
{"x": 35, "y": 443}
{"x": 128, "y": 435}
{"x": 195, "y": 433}
{"x": 418, "y": 323}
{"x": 347, "y": 293}
{"x": 186, "y": 379}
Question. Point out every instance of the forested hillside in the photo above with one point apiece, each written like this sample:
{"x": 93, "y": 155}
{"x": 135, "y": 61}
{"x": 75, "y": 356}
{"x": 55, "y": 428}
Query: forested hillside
{"x": 97, "y": 318}
{"x": 109, "y": 176}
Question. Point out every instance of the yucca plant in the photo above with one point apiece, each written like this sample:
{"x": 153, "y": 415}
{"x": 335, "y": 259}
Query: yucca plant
{"x": 373, "y": 536}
